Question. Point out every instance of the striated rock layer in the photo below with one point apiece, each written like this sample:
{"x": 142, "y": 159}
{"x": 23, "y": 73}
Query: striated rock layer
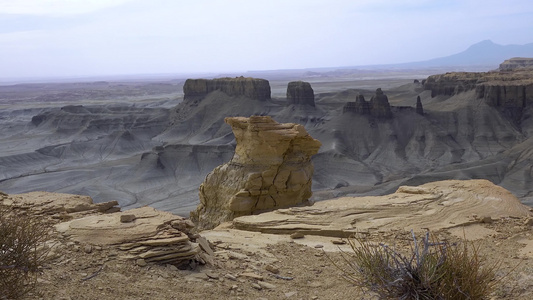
{"x": 510, "y": 91}
{"x": 377, "y": 107}
{"x": 432, "y": 206}
{"x": 516, "y": 63}
{"x": 142, "y": 233}
{"x": 300, "y": 92}
{"x": 253, "y": 88}
{"x": 271, "y": 168}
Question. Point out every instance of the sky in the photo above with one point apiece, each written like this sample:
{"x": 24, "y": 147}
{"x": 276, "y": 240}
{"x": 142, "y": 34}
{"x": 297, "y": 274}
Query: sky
{"x": 76, "y": 38}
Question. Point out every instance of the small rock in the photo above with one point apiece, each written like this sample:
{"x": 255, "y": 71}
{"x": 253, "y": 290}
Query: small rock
{"x": 252, "y": 275}
{"x": 338, "y": 242}
{"x": 297, "y": 235}
{"x": 266, "y": 285}
{"x": 256, "y": 286}
{"x": 234, "y": 287}
{"x": 314, "y": 298}
{"x": 172, "y": 267}
{"x": 235, "y": 255}
{"x": 127, "y": 218}
{"x": 290, "y": 294}
{"x": 88, "y": 249}
{"x": 204, "y": 244}
{"x": 212, "y": 275}
{"x": 528, "y": 222}
{"x": 141, "y": 262}
{"x": 230, "y": 277}
{"x": 319, "y": 246}
{"x": 272, "y": 269}
{"x": 486, "y": 220}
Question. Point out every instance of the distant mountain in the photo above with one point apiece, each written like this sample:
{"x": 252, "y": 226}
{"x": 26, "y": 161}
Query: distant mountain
{"x": 485, "y": 53}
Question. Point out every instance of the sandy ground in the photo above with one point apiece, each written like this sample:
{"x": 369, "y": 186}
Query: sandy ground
{"x": 279, "y": 268}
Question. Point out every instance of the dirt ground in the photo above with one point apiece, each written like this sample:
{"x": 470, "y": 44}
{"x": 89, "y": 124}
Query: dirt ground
{"x": 285, "y": 270}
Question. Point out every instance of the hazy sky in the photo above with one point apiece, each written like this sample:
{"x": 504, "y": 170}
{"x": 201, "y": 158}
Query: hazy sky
{"x": 41, "y": 38}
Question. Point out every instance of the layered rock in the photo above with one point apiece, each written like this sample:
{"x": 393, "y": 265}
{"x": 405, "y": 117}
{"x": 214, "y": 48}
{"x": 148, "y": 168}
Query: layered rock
{"x": 510, "y": 91}
{"x": 359, "y": 106}
{"x": 432, "y": 206}
{"x": 271, "y": 168}
{"x": 379, "y": 105}
{"x": 300, "y": 92}
{"x": 516, "y": 63}
{"x": 253, "y": 88}
{"x": 144, "y": 233}
{"x": 453, "y": 83}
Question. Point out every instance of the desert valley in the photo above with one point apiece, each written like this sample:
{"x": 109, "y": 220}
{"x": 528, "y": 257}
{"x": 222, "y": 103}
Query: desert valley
{"x": 247, "y": 188}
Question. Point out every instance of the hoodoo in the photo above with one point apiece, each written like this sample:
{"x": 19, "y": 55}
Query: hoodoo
{"x": 271, "y": 168}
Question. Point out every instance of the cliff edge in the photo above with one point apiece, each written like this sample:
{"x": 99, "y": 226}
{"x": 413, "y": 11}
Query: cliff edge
{"x": 253, "y": 88}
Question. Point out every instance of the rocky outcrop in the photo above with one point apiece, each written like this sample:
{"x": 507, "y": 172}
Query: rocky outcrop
{"x": 359, "y": 106}
{"x": 300, "y": 92}
{"x": 511, "y": 91}
{"x": 419, "y": 108}
{"x": 453, "y": 83}
{"x": 432, "y": 206}
{"x": 516, "y": 63}
{"x": 271, "y": 168}
{"x": 144, "y": 234}
{"x": 379, "y": 105}
{"x": 253, "y": 88}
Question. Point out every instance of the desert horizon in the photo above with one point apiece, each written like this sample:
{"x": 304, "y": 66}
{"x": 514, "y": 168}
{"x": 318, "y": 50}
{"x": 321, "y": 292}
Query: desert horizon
{"x": 266, "y": 149}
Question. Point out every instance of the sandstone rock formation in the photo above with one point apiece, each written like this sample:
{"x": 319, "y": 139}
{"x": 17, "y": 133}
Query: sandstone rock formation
{"x": 434, "y": 206}
{"x": 379, "y": 105}
{"x": 453, "y": 83}
{"x": 253, "y": 88}
{"x": 516, "y": 63}
{"x": 300, "y": 92}
{"x": 419, "y": 108}
{"x": 511, "y": 91}
{"x": 142, "y": 233}
{"x": 151, "y": 235}
{"x": 271, "y": 168}
{"x": 360, "y": 106}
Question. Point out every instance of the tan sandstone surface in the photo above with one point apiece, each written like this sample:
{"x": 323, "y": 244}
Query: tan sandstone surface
{"x": 271, "y": 168}
{"x": 92, "y": 255}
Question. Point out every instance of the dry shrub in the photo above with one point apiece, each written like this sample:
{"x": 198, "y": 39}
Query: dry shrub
{"x": 22, "y": 251}
{"x": 432, "y": 270}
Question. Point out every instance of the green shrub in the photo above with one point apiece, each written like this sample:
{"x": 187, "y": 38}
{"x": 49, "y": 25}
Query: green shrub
{"x": 432, "y": 270}
{"x": 22, "y": 252}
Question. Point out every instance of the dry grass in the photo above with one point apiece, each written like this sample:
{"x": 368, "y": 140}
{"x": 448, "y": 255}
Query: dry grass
{"x": 22, "y": 252}
{"x": 432, "y": 270}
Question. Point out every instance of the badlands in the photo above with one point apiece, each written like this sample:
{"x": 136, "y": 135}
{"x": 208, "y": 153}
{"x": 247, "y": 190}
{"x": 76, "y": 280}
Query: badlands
{"x": 450, "y": 154}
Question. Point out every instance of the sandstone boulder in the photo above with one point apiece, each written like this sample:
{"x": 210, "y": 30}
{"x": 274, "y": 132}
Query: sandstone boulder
{"x": 253, "y": 88}
{"x": 153, "y": 236}
{"x": 300, "y": 92}
{"x": 271, "y": 168}
{"x": 145, "y": 234}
